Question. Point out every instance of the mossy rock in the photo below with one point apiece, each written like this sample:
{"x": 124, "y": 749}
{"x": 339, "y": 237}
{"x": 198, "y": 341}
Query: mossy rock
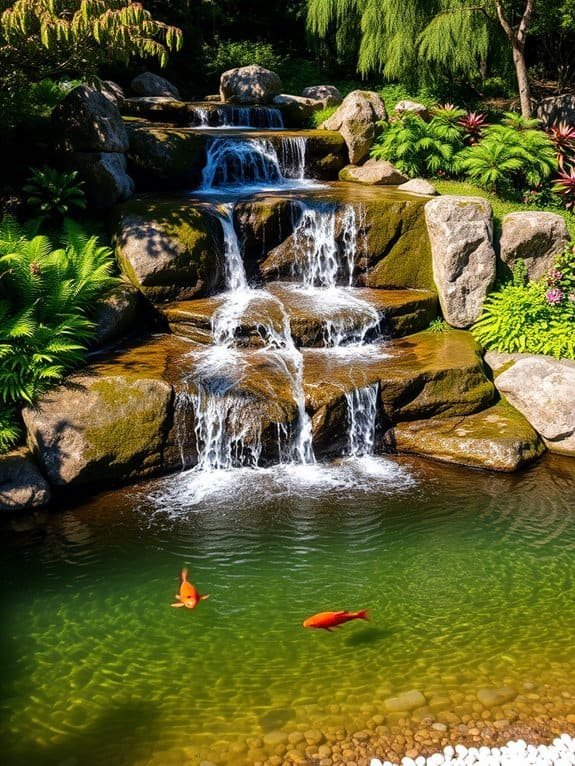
{"x": 170, "y": 249}
{"x": 165, "y": 158}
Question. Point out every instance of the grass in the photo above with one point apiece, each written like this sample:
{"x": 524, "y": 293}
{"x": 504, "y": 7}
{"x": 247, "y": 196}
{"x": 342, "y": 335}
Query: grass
{"x": 500, "y": 207}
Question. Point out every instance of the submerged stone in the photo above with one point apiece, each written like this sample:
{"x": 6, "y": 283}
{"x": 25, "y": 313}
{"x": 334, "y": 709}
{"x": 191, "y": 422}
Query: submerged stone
{"x": 22, "y": 486}
{"x": 405, "y": 701}
{"x": 495, "y": 697}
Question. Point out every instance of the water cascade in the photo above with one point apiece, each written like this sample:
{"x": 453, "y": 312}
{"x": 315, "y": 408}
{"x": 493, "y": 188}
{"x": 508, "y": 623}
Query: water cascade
{"x": 362, "y": 408}
{"x": 262, "y": 117}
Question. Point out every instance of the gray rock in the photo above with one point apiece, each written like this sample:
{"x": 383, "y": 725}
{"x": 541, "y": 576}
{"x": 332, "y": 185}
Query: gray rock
{"x": 496, "y": 697}
{"x": 328, "y": 94}
{"x": 296, "y": 108}
{"x": 404, "y": 702}
{"x": 117, "y": 313}
{"x": 461, "y": 234}
{"x": 249, "y": 85}
{"x": 356, "y": 119}
{"x": 113, "y": 92}
{"x": 87, "y": 121}
{"x": 22, "y": 486}
{"x": 412, "y": 107}
{"x": 535, "y": 238}
{"x": 105, "y": 177}
{"x": 418, "y": 186}
{"x": 149, "y": 84}
{"x": 373, "y": 172}
{"x": 543, "y": 390}
{"x": 557, "y": 109}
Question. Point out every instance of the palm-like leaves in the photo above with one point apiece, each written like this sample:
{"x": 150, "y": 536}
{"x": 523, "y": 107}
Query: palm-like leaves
{"x": 53, "y": 194}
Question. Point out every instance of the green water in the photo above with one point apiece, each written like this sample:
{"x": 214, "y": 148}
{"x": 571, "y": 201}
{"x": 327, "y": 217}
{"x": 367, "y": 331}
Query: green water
{"x": 469, "y": 577}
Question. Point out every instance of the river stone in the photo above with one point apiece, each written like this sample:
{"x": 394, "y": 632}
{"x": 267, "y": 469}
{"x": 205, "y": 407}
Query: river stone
{"x": 495, "y": 697}
{"x": 373, "y": 172}
{"x": 105, "y": 177}
{"x": 543, "y": 390}
{"x": 535, "y": 238}
{"x": 86, "y": 121}
{"x": 412, "y": 107}
{"x": 112, "y": 91}
{"x": 418, "y": 186}
{"x": 22, "y": 486}
{"x": 404, "y": 702}
{"x": 356, "y": 119}
{"x": 249, "y": 85}
{"x": 461, "y": 234}
{"x": 166, "y": 157}
{"x": 149, "y": 84}
{"x": 169, "y": 250}
{"x": 117, "y": 313}
{"x": 498, "y": 438}
{"x": 557, "y": 109}
{"x": 296, "y": 109}
{"x": 328, "y": 94}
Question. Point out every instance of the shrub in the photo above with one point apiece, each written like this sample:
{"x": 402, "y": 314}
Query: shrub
{"x": 222, "y": 55}
{"x": 54, "y": 195}
{"x": 321, "y": 115}
{"x": 564, "y": 186}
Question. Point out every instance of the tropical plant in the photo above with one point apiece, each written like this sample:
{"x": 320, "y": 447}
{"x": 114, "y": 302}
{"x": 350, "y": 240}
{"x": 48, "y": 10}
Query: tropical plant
{"x": 563, "y": 139}
{"x": 564, "y": 185}
{"x": 53, "y": 194}
{"x": 473, "y": 124}
{"x": 46, "y": 298}
{"x": 9, "y": 428}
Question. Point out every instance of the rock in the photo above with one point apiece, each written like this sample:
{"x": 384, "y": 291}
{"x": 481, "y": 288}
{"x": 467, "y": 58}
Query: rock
{"x": 373, "y": 172}
{"x": 329, "y": 95}
{"x": 158, "y": 109}
{"x": 169, "y": 250}
{"x": 498, "y": 438}
{"x": 418, "y": 186}
{"x": 166, "y": 157}
{"x": 356, "y": 119}
{"x": 543, "y": 390}
{"x": 105, "y": 177}
{"x": 149, "y": 84}
{"x": 22, "y": 486}
{"x": 296, "y": 109}
{"x": 496, "y": 697}
{"x": 117, "y": 314}
{"x": 412, "y": 107}
{"x": 461, "y": 234}
{"x": 535, "y": 238}
{"x": 87, "y": 121}
{"x": 113, "y": 92}
{"x": 249, "y": 85}
{"x": 404, "y": 702}
{"x": 557, "y": 109}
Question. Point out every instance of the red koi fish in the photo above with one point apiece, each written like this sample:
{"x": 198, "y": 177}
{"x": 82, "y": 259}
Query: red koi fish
{"x": 329, "y": 620}
{"x": 188, "y": 595}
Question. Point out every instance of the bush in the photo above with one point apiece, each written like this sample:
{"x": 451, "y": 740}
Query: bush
{"x": 227, "y": 54}
{"x": 320, "y": 115}
{"x": 54, "y": 195}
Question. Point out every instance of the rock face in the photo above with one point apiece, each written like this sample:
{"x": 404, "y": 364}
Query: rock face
{"x": 249, "y": 85}
{"x": 557, "y": 109}
{"x": 418, "y": 186}
{"x": 535, "y": 238}
{"x": 87, "y": 121}
{"x": 22, "y": 486}
{"x": 166, "y": 157}
{"x": 149, "y": 84}
{"x": 498, "y": 438}
{"x": 461, "y": 234}
{"x": 169, "y": 250}
{"x": 329, "y": 95}
{"x": 543, "y": 390}
{"x": 113, "y": 92}
{"x": 297, "y": 109}
{"x": 117, "y": 314}
{"x": 373, "y": 172}
{"x": 356, "y": 119}
{"x": 105, "y": 177}
{"x": 412, "y": 107}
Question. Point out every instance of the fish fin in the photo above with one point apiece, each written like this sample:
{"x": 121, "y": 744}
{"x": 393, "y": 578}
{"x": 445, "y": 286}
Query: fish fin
{"x": 184, "y": 575}
{"x": 178, "y": 604}
{"x": 363, "y": 614}
{"x": 178, "y": 597}
{"x": 203, "y": 598}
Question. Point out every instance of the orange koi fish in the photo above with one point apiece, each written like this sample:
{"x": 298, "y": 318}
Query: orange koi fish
{"x": 188, "y": 595}
{"x": 329, "y": 620}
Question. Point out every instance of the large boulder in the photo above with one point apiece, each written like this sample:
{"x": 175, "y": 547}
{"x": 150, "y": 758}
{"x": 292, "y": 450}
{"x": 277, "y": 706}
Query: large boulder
{"x": 557, "y": 109}
{"x": 117, "y": 314}
{"x": 249, "y": 85}
{"x": 105, "y": 177}
{"x": 170, "y": 250}
{"x": 296, "y": 109}
{"x": 22, "y": 486}
{"x": 112, "y": 91}
{"x": 356, "y": 119}
{"x": 329, "y": 95}
{"x": 543, "y": 390}
{"x": 373, "y": 172}
{"x": 461, "y": 234}
{"x": 535, "y": 238}
{"x": 166, "y": 157}
{"x": 412, "y": 107}
{"x": 149, "y": 84}
{"x": 87, "y": 121}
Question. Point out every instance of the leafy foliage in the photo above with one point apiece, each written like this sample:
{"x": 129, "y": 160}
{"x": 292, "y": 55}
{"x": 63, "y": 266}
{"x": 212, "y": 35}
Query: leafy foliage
{"x": 533, "y": 317}
{"x": 438, "y": 326}
{"x": 46, "y": 296}
{"x": 564, "y": 185}
{"x": 228, "y": 54}
{"x": 9, "y": 428}
{"x": 53, "y": 194}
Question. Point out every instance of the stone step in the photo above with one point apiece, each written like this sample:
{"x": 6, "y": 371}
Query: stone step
{"x": 198, "y": 113}
{"x": 316, "y": 316}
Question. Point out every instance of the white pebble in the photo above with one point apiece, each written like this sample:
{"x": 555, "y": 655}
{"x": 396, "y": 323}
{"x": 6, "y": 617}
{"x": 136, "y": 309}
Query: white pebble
{"x": 407, "y": 761}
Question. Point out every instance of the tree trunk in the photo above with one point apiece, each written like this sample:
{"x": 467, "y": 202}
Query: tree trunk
{"x": 522, "y": 80}
{"x": 516, "y": 37}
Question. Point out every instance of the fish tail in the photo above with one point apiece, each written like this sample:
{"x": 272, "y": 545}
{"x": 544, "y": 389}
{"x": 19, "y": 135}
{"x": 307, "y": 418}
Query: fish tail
{"x": 363, "y": 614}
{"x": 184, "y": 575}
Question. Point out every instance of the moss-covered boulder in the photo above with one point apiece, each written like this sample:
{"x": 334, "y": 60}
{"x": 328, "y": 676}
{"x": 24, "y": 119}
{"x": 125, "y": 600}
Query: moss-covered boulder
{"x": 357, "y": 120}
{"x": 112, "y": 422}
{"x": 498, "y": 438}
{"x": 170, "y": 249}
{"x": 262, "y": 224}
{"x": 168, "y": 158}
{"x": 118, "y": 314}
{"x": 22, "y": 486}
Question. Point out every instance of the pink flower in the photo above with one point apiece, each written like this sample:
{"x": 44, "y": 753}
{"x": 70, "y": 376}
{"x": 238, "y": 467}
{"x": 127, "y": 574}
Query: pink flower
{"x": 555, "y": 296}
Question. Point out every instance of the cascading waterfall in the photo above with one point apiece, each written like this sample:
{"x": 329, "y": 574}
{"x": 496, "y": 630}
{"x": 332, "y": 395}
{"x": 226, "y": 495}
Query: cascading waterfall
{"x": 263, "y": 117}
{"x": 245, "y": 162}
{"x": 362, "y": 409}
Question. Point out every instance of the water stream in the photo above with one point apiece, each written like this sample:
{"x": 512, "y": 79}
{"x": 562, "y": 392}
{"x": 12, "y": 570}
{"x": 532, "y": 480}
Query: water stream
{"x": 244, "y": 117}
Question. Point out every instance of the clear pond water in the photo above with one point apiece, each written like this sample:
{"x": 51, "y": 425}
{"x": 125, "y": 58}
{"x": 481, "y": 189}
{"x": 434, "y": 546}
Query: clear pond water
{"x": 469, "y": 577}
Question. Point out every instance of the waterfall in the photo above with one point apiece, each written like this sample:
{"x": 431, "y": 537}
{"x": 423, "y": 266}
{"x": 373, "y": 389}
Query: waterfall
{"x": 361, "y": 409}
{"x": 264, "y": 117}
{"x": 252, "y": 161}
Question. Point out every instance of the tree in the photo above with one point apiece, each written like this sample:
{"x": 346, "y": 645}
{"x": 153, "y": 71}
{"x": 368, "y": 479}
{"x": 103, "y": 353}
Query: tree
{"x": 41, "y": 38}
{"x": 517, "y": 35}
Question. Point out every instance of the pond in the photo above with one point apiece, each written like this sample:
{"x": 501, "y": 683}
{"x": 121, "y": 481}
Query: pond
{"x": 468, "y": 575}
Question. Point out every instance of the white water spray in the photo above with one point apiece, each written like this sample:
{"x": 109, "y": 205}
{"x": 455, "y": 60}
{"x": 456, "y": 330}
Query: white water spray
{"x": 362, "y": 409}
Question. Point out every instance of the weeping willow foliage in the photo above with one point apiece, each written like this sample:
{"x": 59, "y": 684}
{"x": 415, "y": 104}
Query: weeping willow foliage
{"x": 44, "y": 36}
{"x": 403, "y": 39}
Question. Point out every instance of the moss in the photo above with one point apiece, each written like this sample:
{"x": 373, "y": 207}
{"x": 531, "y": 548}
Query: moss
{"x": 166, "y": 157}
